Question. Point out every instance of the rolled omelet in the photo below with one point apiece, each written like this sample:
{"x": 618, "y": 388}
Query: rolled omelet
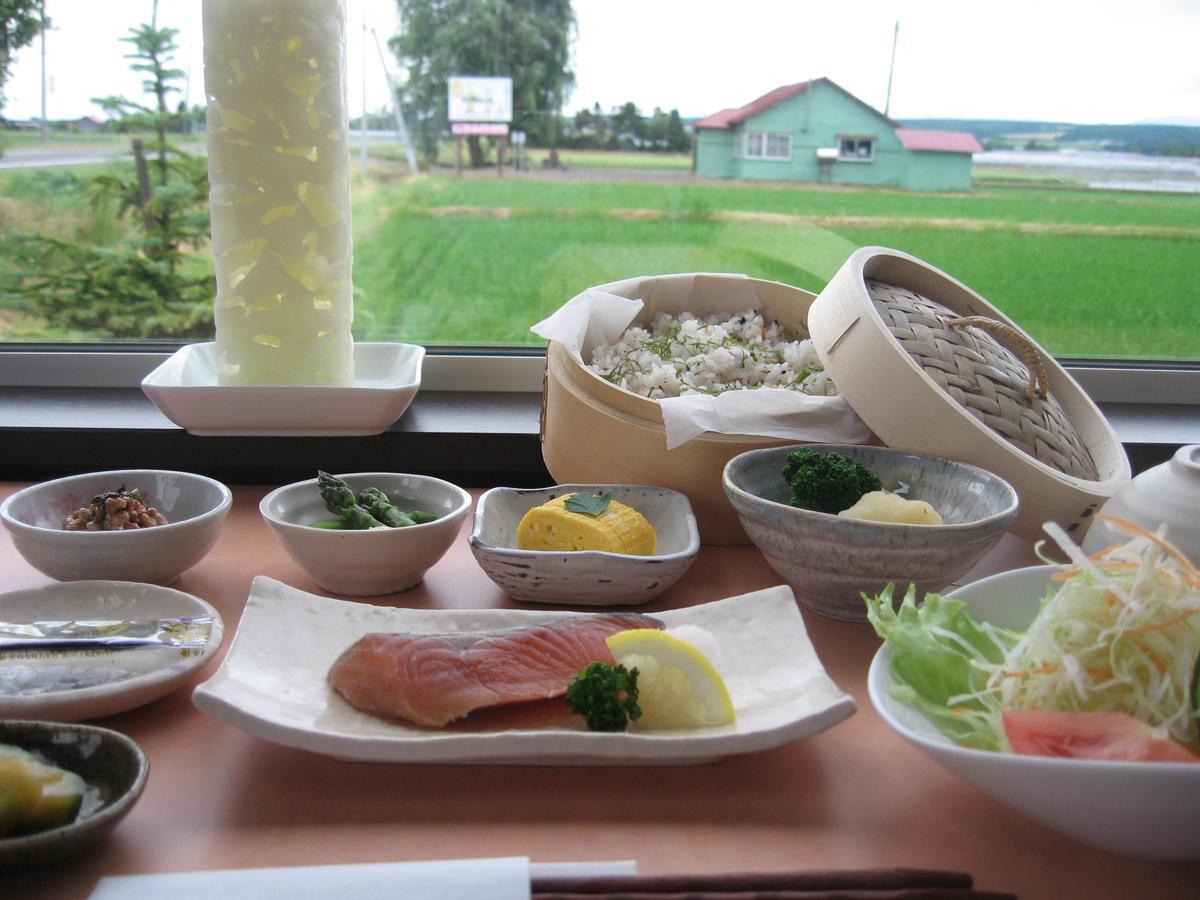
{"x": 619, "y": 529}
{"x": 884, "y": 506}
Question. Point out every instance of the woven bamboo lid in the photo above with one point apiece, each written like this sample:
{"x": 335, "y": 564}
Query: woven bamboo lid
{"x": 1003, "y": 388}
{"x": 932, "y": 367}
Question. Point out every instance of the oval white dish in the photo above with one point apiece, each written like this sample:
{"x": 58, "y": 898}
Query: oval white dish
{"x": 79, "y": 684}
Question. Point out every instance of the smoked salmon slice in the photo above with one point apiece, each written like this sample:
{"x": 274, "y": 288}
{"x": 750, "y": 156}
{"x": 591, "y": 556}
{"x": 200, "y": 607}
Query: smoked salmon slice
{"x": 433, "y": 679}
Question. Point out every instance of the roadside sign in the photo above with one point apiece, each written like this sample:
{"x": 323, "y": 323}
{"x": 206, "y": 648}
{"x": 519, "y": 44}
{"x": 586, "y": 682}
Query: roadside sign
{"x": 497, "y": 129}
{"x": 472, "y": 99}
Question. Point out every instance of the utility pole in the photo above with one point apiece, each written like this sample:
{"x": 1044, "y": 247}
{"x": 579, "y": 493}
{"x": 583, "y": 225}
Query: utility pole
{"x": 45, "y": 25}
{"x": 410, "y": 154}
{"x": 887, "y": 104}
{"x": 362, "y": 158}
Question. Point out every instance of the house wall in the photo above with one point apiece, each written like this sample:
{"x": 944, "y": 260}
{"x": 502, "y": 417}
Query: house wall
{"x": 817, "y": 118}
{"x": 930, "y": 171}
{"x": 714, "y": 153}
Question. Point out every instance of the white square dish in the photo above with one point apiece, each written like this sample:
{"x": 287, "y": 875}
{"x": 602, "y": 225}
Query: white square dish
{"x": 273, "y": 683}
{"x": 386, "y": 378}
{"x": 584, "y": 577}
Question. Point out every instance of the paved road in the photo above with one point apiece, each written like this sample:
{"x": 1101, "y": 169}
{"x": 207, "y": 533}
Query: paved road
{"x": 39, "y": 158}
{"x": 45, "y": 157}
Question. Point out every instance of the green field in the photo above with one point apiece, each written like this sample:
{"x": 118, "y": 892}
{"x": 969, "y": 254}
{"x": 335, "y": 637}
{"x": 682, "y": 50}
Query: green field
{"x": 476, "y": 260}
{"x": 1087, "y": 273}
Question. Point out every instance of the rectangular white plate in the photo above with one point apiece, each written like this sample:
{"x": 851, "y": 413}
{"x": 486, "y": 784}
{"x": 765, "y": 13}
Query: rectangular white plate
{"x": 273, "y": 684}
{"x": 386, "y": 378}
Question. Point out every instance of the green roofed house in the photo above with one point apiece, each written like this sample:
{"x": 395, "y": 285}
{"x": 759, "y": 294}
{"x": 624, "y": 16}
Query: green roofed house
{"x": 817, "y": 131}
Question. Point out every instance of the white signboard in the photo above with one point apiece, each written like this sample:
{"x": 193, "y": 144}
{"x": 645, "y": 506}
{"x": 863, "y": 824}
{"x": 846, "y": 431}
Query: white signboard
{"x": 480, "y": 99}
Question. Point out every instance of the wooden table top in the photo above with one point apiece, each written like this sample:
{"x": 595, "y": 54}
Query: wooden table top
{"x": 855, "y": 796}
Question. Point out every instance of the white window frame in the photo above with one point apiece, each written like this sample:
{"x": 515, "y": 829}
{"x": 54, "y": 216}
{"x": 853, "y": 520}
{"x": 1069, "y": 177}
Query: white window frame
{"x": 857, "y": 138}
{"x": 483, "y": 372}
{"x": 764, "y": 140}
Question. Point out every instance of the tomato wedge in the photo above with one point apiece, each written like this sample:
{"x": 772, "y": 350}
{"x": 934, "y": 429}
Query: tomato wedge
{"x": 1090, "y": 735}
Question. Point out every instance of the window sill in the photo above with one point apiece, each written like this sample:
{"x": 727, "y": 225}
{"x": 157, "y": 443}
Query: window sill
{"x": 477, "y": 439}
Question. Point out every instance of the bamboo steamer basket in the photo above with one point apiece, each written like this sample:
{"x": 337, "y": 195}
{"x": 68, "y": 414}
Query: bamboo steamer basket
{"x": 595, "y": 432}
{"x": 934, "y": 368}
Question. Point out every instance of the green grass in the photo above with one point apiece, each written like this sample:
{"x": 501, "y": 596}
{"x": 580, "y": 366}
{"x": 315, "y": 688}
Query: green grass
{"x": 999, "y": 205}
{"x": 452, "y": 277}
{"x": 477, "y": 260}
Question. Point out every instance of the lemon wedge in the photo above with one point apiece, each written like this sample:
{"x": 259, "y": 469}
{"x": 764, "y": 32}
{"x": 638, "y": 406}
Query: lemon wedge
{"x": 678, "y": 687}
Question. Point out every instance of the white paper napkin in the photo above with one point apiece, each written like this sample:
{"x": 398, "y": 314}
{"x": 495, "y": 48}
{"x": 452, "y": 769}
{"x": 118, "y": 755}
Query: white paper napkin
{"x": 487, "y": 879}
{"x": 505, "y": 878}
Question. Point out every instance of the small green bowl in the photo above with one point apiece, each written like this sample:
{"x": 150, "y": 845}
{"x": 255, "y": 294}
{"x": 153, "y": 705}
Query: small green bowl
{"x": 112, "y": 766}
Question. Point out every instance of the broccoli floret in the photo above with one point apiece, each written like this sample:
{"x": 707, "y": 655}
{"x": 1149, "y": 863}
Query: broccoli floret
{"x": 826, "y": 482}
{"x": 605, "y": 695}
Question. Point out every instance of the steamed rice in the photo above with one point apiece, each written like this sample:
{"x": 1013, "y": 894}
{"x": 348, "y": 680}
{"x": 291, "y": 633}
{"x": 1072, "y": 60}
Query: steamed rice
{"x": 686, "y": 354}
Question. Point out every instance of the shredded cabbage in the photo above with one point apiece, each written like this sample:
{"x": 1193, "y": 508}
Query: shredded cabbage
{"x": 1121, "y": 633}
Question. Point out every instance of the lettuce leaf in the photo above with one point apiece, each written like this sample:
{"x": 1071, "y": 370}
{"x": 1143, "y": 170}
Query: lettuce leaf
{"x": 934, "y": 650}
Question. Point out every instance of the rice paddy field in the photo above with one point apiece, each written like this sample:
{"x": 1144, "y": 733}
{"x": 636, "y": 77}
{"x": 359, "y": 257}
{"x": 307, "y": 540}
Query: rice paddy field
{"x": 475, "y": 260}
{"x": 1087, "y": 273}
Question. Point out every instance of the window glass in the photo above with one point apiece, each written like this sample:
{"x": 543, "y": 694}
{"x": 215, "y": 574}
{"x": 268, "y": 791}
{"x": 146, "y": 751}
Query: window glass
{"x": 856, "y": 148}
{"x": 1083, "y": 231}
{"x": 754, "y": 143}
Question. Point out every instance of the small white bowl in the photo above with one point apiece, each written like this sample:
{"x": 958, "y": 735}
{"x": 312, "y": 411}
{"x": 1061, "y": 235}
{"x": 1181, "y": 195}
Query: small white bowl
{"x": 1149, "y": 810}
{"x": 369, "y": 562}
{"x": 195, "y": 507}
{"x": 584, "y": 577}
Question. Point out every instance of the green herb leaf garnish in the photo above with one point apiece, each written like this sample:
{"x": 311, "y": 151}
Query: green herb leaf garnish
{"x": 592, "y": 505}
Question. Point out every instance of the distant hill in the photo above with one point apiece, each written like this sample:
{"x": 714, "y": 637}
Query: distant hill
{"x": 1153, "y": 139}
{"x": 1164, "y": 140}
{"x": 989, "y": 128}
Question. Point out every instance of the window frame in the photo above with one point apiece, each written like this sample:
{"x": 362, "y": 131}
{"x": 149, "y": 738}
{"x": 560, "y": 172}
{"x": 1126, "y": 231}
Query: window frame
{"x": 521, "y": 370}
{"x": 765, "y": 137}
{"x": 857, "y": 138}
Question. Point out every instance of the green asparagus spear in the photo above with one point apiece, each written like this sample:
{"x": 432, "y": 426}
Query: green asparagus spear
{"x": 375, "y": 501}
{"x": 340, "y": 499}
{"x": 421, "y": 517}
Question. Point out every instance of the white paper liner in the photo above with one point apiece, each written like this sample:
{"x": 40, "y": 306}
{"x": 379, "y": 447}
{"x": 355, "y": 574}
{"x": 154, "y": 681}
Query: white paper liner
{"x": 595, "y": 317}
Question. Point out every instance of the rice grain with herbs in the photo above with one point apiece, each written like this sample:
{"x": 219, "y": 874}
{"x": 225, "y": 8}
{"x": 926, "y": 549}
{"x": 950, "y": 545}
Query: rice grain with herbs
{"x": 687, "y": 354}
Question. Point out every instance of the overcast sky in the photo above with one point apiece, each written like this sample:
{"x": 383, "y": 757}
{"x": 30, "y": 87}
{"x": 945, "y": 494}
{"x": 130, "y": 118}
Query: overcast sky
{"x": 1061, "y": 60}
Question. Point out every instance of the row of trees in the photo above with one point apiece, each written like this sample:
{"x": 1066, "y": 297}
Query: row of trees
{"x": 625, "y": 128}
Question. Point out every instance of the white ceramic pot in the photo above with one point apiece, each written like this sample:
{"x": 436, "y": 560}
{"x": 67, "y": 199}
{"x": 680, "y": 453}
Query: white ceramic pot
{"x": 1168, "y": 494}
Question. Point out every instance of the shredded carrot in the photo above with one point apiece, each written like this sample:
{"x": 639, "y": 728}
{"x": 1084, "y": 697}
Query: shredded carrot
{"x": 1170, "y": 549}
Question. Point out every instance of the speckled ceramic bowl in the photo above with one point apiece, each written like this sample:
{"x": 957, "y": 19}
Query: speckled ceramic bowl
{"x": 113, "y": 767}
{"x": 195, "y": 507}
{"x": 831, "y": 561}
{"x": 586, "y": 577}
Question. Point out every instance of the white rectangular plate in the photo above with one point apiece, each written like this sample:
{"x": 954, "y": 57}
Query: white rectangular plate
{"x": 273, "y": 684}
{"x": 386, "y": 378}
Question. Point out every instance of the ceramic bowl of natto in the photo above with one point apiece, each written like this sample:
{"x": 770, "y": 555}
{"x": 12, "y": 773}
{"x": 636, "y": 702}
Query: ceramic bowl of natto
{"x": 194, "y": 506}
{"x": 830, "y": 561}
{"x": 584, "y": 577}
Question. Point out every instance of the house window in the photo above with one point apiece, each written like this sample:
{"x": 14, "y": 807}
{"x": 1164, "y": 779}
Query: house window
{"x": 768, "y": 145}
{"x": 856, "y": 149}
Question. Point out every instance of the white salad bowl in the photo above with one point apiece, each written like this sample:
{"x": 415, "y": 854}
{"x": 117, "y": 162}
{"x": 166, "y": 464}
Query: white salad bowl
{"x": 1149, "y": 810}
{"x": 584, "y": 577}
{"x": 195, "y": 507}
{"x": 375, "y": 561}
